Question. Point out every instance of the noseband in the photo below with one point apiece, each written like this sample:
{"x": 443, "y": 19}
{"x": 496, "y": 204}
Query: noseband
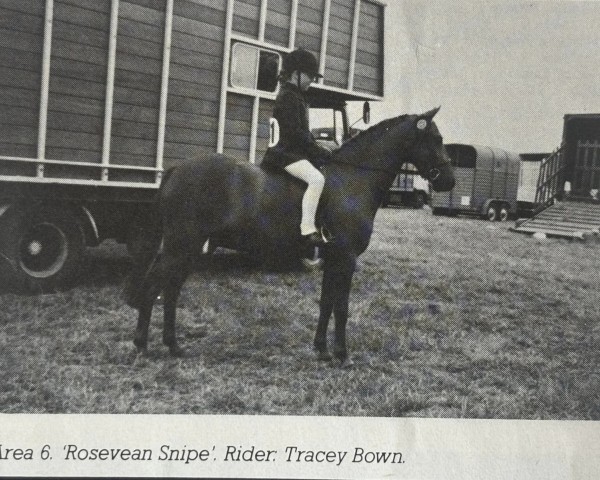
{"x": 434, "y": 174}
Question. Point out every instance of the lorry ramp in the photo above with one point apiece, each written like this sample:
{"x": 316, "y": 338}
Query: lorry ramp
{"x": 569, "y": 219}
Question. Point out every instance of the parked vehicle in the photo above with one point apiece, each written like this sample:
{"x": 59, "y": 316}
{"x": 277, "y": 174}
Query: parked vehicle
{"x": 490, "y": 182}
{"x": 409, "y": 189}
{"x": 580, "y": 164}
{"x": 567, "y": 199}
{"x": 333, "y": 137}
{"x": 98, "y": 98}
{"x": 528, "y": 179}
{"x": 486, "y": 183}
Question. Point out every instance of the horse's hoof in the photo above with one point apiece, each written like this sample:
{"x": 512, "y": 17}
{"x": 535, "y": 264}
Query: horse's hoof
{"x": 324, "y": 356}
{"x": 141, "y": 351}
{"x": 141, "y": 347}
{"x": 177, "y": 352}
{"x": 347, "y": 363}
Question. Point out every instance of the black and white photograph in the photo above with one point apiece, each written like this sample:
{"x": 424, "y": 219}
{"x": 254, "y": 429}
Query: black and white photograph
{"x": 300, "y": 238}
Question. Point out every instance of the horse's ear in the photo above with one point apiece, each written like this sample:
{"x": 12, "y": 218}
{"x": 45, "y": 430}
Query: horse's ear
{"x": 431, "y": 113}
{"x": 424, "y": 119}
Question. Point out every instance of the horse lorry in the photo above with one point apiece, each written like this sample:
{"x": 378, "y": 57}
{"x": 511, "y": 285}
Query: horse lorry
{"x": 99, "y": 97}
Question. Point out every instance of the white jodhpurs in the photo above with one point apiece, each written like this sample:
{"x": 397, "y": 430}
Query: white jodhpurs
{"x": 305, "y": 171}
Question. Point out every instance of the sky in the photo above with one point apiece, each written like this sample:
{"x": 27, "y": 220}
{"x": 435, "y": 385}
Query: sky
{"x": 505, "y": 72}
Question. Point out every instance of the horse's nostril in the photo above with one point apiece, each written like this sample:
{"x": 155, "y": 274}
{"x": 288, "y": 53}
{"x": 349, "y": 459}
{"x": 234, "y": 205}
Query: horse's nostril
{"x": 434, "y": 174}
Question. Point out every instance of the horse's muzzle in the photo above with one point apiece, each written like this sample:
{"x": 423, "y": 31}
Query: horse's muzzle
{"x": 442, "y": 179}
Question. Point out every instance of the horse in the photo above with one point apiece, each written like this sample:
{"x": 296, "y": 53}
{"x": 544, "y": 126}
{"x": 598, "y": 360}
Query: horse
{"x": 239, "y": 205}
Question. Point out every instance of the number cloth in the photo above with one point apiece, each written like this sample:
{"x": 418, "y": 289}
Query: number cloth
{"x": 296, "y": 142}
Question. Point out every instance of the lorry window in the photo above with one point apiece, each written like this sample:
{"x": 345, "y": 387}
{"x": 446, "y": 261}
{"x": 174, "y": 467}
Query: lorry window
{"x": 327, "y": 125}
{"x": 254, "y": 68}
{"x": 464, "y": 156}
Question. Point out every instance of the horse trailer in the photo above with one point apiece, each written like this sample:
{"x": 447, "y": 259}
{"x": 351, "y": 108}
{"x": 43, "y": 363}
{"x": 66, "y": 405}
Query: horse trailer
{"x": 99, "y": 97}
{"x": 487, "y": 182}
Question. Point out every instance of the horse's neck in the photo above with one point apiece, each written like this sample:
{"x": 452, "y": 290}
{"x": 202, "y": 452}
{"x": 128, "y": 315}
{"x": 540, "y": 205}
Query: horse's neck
{"x": 364, "y": 185}
{"x": 375, "y": 149}
{"x": 373, "y": 166}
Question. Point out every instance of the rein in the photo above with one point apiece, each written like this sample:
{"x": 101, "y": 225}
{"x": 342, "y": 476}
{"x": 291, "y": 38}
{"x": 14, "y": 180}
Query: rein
{"x": 434, "y": 172}
{"x": 363, "y": 167}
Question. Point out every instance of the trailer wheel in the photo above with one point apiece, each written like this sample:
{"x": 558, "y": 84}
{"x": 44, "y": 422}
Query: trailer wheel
{"x": 43, "y": 248}
{"x": 492, "y": 213}
{"x": 503, "y": 213}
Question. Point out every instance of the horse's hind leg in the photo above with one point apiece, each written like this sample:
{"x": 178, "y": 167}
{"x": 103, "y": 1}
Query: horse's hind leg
{"x": 344, "y": 272}
{"x": 340, "y": 312}
{"x": 176, "y": 272}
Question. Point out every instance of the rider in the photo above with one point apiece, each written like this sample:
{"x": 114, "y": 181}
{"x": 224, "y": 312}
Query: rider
{"x": 296, "y": 151}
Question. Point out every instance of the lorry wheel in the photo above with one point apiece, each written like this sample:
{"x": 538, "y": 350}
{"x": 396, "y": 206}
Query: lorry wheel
{"x": 492, "y": 213}
{"x": 43, "y": 248}
{"x": 503, "y": 213}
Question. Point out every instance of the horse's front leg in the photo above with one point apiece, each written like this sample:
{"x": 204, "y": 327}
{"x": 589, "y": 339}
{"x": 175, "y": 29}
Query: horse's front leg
{"x": 140, "y": 340}
{"x": 326, "y": 308}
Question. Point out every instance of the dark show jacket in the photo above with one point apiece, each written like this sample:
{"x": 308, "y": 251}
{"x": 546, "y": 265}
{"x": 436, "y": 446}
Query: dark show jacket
{"x": 296, "y": 142}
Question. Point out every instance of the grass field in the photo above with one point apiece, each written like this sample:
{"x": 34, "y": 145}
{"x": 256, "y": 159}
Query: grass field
{"x": 449, "y": 317}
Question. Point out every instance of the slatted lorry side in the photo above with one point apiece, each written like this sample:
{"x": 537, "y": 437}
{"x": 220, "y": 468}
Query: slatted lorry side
{"x": 99, "y": 97}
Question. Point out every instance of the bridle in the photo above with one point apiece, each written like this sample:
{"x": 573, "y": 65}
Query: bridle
{"x": 434, "y": 172}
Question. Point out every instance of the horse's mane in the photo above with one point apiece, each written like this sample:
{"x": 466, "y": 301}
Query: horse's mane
{"x": 366, "y": 135}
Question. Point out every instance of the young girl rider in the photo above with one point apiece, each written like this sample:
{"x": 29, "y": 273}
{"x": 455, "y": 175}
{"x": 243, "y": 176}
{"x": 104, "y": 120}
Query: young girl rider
{"x": 297, "y": 151}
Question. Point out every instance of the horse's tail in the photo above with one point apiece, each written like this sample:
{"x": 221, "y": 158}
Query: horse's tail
{"x": 144, "y": 246}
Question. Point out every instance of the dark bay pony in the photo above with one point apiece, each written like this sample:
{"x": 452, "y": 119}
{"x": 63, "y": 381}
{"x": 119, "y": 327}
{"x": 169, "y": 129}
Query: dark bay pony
{"x": 241, "y": 206}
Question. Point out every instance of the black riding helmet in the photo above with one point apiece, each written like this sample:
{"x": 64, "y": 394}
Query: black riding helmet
{"x": 302, "y": 61}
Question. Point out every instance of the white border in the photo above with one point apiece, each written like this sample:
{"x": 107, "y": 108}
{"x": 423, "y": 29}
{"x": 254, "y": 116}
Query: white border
{"x": 446, "y": 449}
